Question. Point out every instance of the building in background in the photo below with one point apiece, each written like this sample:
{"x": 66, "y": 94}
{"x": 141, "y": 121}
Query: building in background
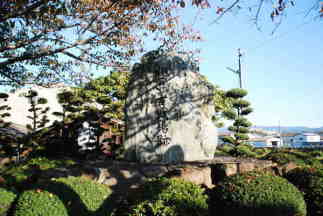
{"x": 306, "y": 140}
{"x": 268, "y": 141}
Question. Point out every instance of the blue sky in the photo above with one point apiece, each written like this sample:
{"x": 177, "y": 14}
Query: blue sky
{"x": 284, "y": 71}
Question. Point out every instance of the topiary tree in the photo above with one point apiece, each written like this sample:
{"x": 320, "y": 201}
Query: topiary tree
{"x": 222, "y": 104}
{"x": 38, "y": 114}
{"x": 310, "y": 182}
{"x": 256, "y": 193}
{"x": 4, "y": 111}
{"x": 71, "y": 111}
{"x": 6, "y": 139}
{"x": 240, "y": 108}
{"x": 171, "y": 197}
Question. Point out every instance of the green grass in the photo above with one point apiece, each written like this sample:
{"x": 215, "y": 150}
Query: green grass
{"x": 7, "y": 197}
{"x": 16, "y": 174}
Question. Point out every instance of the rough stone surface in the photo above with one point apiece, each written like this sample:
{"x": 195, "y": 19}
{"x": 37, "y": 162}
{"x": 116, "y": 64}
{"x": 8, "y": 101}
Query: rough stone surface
{"x": 169, "y": 111}
{"x": 153, "y": 171}
{"x": 284, "y": 169}
{"x": 4, "y": 161}
{"x": 196, "y": 175}
{"x": 121, "y": 176}
{"x": 246, "y": 167}
{"x": 231, "y": 169}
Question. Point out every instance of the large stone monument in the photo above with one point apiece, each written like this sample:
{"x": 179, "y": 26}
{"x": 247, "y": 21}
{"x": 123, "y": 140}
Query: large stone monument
{"x": 169, "y": 111}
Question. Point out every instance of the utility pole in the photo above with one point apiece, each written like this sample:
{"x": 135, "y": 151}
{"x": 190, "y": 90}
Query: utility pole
{"x": 239, "y": 69}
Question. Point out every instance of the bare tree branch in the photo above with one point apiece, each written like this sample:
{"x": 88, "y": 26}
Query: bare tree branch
{"x": 24, "y": 12}
{"x": 260, "y": 5}
{"x": 225, "y": 11}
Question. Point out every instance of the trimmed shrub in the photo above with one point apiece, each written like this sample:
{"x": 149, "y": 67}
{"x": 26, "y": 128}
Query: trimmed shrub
{"x": 316, "y": 153}
{"x": 255, "y": 194}
{"x": 6, "y": 199}
{"x": 225, "y": 148}
{"x": 298, "y": 157}
{"x": 171, "y": 197}
{"x": 243, "y": 150}
{"x": 261, "y": 152}
{"x": 63, "y": 196}
{"x": 310, "y": 182}
{"x": 282, "y": 158}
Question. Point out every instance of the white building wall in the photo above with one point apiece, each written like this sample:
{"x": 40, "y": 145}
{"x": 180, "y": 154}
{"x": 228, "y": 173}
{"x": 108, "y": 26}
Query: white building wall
{"x": 20, "y": 105}
{"x": 274, "y": 142}
{"x": 306, "y": 138}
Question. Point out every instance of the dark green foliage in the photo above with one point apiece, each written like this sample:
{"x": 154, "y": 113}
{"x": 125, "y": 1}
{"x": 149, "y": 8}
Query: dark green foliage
{"x": 38, "y": 114}
{"x": 171, "y": 197}
{"x": 241, "y": 136}
{"x": 240, "y": 103}
{"x": 246, "y": 111}
{"x": 223, "y": 150}
{"x": 261, "y": 151}
{"x": 281, "y": 157}
{"x": 96, "y": 102}
{"x": 228, "y": 139}
{"x": 255, "y": 194}
{"x": 230, "y": 114}
{"x": 63, "y": 196}
{"x": 242, "y": 122}
{"x": 310, "y": 182}
{"x": 316, "y": 153}
{"x": 4, "y": 111}
{"x": 222, "y": 105}
{"x": 7, "y": 197}
{"x": 16, "y": 175}
{"x": 296, "y": 156}
{"x": 243, "y": 150}
{"x": 240, "y": 108}
{"x": 238, "y": 129}
{"x": 236, "y": 93}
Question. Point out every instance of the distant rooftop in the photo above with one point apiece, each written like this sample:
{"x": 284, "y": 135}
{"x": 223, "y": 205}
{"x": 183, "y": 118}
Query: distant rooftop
{"x": 309, "y": 134}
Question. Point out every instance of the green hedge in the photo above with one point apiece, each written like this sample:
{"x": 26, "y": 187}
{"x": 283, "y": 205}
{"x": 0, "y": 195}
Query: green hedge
{"x": 243, "y": 150}
{"x": 7, "y": 197}
{"x": 255, "y": 194}
{"x": 296, "y": 156}
{"x": 310, "y": 182}
{"x": 63, "y": 196}
{"x": 169, "y": 197}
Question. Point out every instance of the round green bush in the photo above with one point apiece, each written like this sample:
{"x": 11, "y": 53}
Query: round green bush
{"x": 255, "y": 194}
{"x": 169, "y": 197}
{"x": 63, "y": 196}
{"x": 310, "y": 182}
{"x": 7, "y": 197}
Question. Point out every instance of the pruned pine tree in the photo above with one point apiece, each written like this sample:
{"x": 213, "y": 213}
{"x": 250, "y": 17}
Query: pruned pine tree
{"x": 97, "y": 102}
{"x": 7, "y": 140}
{"x": 106, "y": 99}
{"x": 4, "y": 110}
{"x": 38, "y": 115}
{"x": 240, "y": 109}
{"x": 222, "y": 104}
